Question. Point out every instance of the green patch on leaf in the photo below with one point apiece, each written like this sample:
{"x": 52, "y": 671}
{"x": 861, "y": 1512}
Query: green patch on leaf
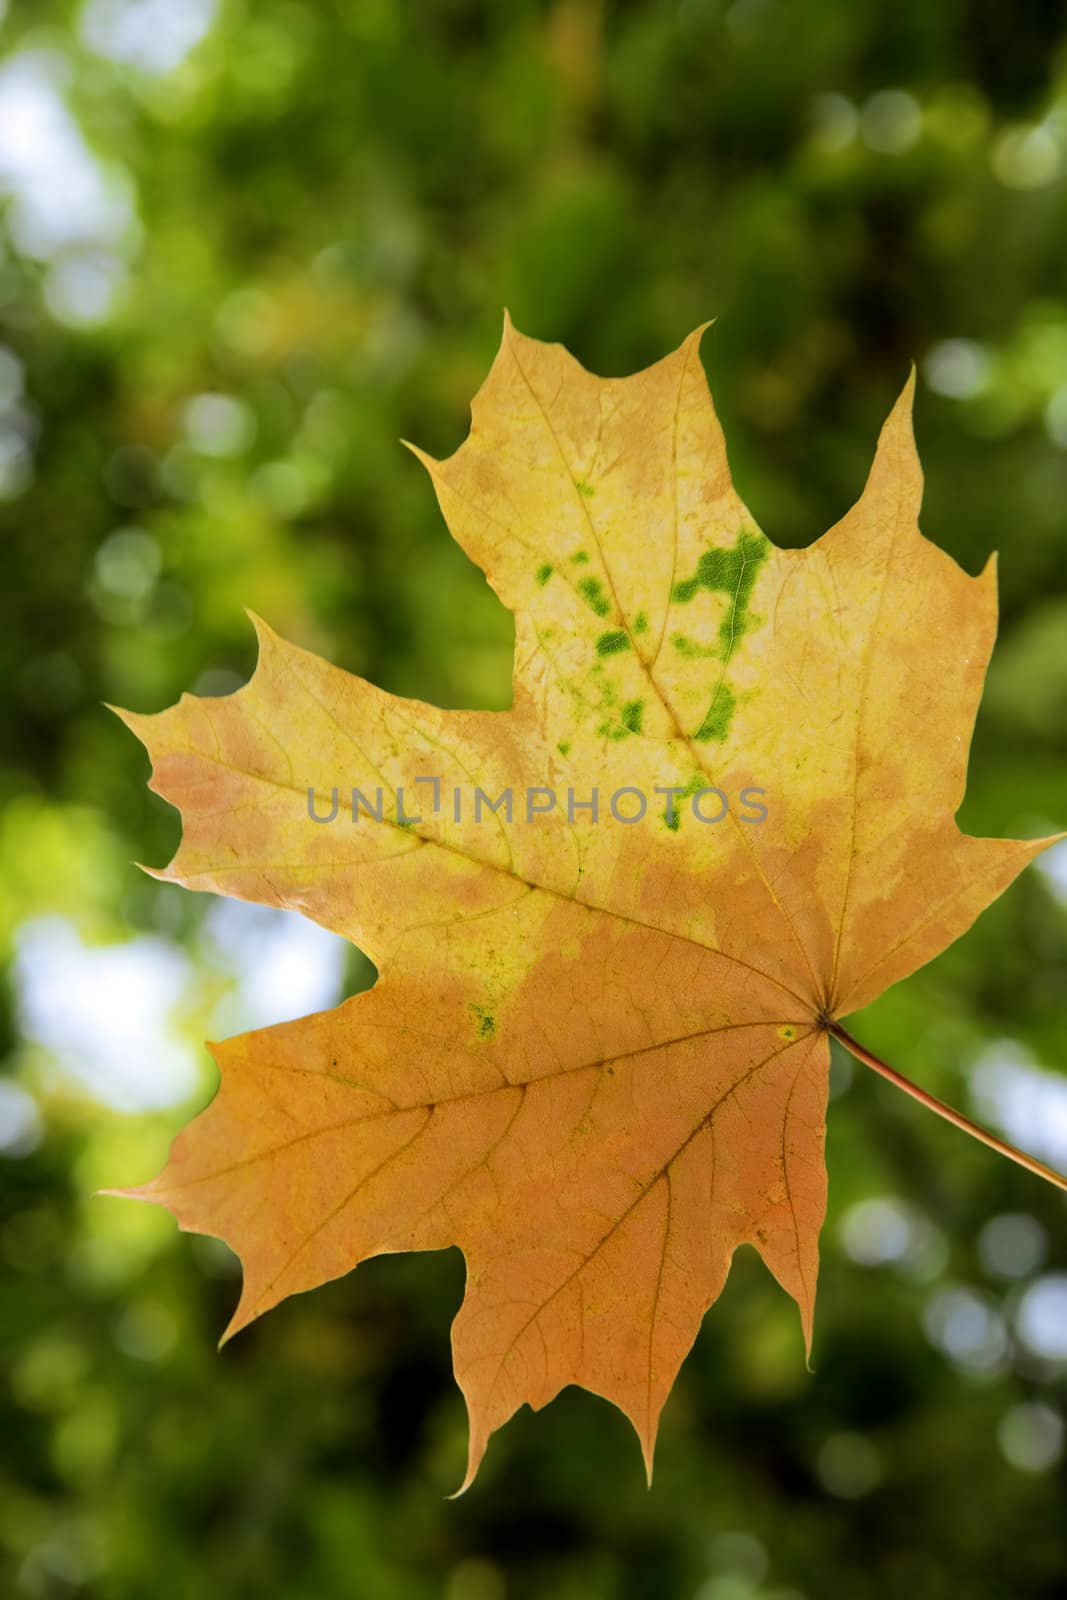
{"x": 733, "y": 573}
{"x": 716, "y": 723}
{"x": 689, "y": 647}
{"x": 613, "y": 643}
{"x": 486, "y": 1022}
{"x": 544, "y": 573}
{"x": 592, "y": 592}
{"x": 672, "y": 813}
{"x": 633, "y": 713}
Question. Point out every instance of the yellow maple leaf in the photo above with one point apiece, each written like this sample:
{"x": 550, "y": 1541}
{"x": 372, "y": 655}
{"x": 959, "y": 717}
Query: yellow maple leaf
{"x": 596, "y": 1054}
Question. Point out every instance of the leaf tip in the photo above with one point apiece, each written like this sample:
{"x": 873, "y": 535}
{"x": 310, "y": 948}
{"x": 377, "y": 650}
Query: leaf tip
{"x": 510, "y": 334}
{"x": 807, "y": 1323}
{"x": 263, "y": 630}
{"x": 695, "y": 338}
{"x": 647, "y": 1440}
{"x": 161, "y": 874}
{"x": 136, "y": 721}
{"x": 901, "y": 414}
{"x": 133, "y": 1191}
{"x": 428, "y": 461}
{"x": 475, "y": 1451}
{"x": 242, "y": 1316}
{"x": 895, "y": 480}
{"x": 478, "y": 1435}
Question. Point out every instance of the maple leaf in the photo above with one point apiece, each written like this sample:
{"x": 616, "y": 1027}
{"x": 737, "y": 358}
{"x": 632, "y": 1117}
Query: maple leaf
{"x": 596, "y": 1054}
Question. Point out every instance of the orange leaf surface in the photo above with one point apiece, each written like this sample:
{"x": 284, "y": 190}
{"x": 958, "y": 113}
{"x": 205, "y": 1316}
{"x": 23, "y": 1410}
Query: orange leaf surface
{"x": 596, "y": 1054}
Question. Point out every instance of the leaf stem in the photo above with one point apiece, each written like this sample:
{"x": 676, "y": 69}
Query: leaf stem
{"x": 932, "y": 1103}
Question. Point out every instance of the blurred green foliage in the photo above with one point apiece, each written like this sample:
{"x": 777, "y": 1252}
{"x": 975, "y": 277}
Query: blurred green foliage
{"x": 246, "y": 249}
